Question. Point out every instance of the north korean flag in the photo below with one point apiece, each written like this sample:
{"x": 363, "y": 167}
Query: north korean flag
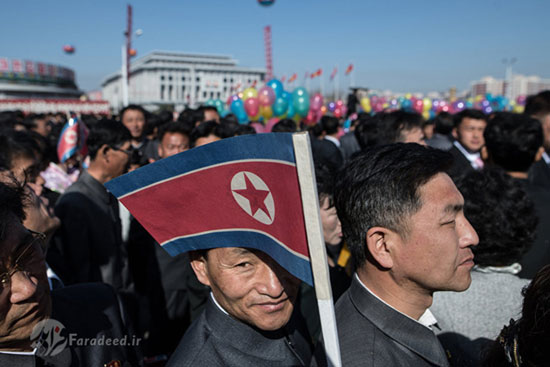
{"x": 72, "y": 140}
{"x": 237, "y": 192}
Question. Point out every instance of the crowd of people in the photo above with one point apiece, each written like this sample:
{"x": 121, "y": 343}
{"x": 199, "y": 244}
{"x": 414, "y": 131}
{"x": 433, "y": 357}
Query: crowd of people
{"x": 437, "y": 236}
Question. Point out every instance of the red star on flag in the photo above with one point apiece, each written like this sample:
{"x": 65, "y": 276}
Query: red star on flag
{"x": 256, "y": 197}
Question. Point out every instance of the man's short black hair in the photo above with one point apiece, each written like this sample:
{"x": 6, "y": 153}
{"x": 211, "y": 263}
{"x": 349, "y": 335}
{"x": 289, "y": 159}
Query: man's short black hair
{"x": 380, "y": 187}
{"x": 443, "y": 123}
{"x": 206, "y": 129}
{"x": 284, "y": 126}
{"x": 330, "y": 124}
{"x": 502, "y": 214}
{"x": 538, "y": 105}
{"x": 325, "y": 184}
{"x": 468, "y": 113}
{"x": 134, "y": 107}
{"x": 109, "y": 132}
{"x": 513, "y": 140}
{"x": 12, "y": 196}
{"x": 394, "y": 124}
{"x": 173, "y": 127}
{"x": 368, "y": 131}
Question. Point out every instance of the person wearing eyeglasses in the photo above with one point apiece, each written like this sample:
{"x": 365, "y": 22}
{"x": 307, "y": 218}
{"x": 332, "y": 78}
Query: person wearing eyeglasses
{"x": 88, "y": 246}
{"x": 39, "y": 327}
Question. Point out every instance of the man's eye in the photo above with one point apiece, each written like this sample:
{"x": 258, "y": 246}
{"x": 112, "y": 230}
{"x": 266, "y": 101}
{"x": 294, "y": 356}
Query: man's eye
{"x": 244, "y": 264}
{"x": 451, "y": 222}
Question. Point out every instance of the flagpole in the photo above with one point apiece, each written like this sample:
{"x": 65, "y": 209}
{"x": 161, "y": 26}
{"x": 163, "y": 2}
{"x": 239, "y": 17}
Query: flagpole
{"x": 307, "y": 82}
{"x": 336, "y": 86}
{"x": 316, "y": 244}
{"x": 322, "y": 84}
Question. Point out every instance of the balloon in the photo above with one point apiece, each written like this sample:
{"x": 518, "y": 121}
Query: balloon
{"x": 266, "y": 96}
{"x": 406, "y": 104}
{"x": 521, "y": 100}
{"x": 291, "y": 111}
{"x": 426, "y": 115}
{"x": 408, "y": 96}
{"x": 331, "y": 106}
{"x": 418, "y": 105}
{"x": 277, "y": 87}
{"x": 68, "y": 49}
{"x": 323, "y": 110}
{"x": 427, "y": 104}
{"x": 338, "y": 111}
{"x": 365, "y": 103}
{"x": 300, "y": 100}
{"x": 209, "y": 102}
{"x": 488, "y": 96}
{"x": 279, "y": 106}
{"x": 316, "y": 102}
{"x": 218, "y": 103}
{"x": 266, "y": 2}
{"x": 249, "y": 93}
{"x": 252, "y": 106}
{"x": 237, "y": 107}
{"x": 339, "y": 103}
{"x": 519, "y": 108}
{"x": 266, "y": 112}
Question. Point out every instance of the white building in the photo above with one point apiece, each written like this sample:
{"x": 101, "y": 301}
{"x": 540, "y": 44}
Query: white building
{"x": 164, "y": 77}
{"x": 521, "y": 85}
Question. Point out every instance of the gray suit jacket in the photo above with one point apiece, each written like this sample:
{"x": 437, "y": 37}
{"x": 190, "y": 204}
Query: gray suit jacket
{"x": 217, "y": 339}
{"x": 373, "y": 334}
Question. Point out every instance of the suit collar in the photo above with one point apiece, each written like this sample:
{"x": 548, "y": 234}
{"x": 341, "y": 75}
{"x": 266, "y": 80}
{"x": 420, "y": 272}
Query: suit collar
{"x": 397, "y": 326}
{"x": 95, "y": 186}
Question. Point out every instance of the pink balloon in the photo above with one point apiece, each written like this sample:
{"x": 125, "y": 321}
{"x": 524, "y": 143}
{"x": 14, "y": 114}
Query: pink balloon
{"x": 266, "y": 96}
{"x": 338, "y": 112}
{"x": 252, "y": 107}
{"x": 339, "y": 103}
{"x": 316, "y": 102}
{"x": 258, "y": 127}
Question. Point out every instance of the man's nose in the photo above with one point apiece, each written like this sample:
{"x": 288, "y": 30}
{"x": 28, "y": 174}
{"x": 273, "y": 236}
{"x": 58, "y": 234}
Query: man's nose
{"x": 23, "y": 286}
{"x": 468, "y": 235}
{"x": 270, "y": 284}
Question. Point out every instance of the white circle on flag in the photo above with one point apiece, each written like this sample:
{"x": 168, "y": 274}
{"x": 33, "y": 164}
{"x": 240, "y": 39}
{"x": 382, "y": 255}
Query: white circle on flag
{"x": 70, "y": 137}
{"x": 253, "y": 196}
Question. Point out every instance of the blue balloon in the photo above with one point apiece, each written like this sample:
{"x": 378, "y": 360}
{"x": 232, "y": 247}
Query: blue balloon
{"x": 280, "y": 106}
{"x": 406, "y": 104}
{"x": 291, "y": 111}
{"x": 237, "y": 107}
{"x": 300, "y": 100}
{"x": 277, "y": 87}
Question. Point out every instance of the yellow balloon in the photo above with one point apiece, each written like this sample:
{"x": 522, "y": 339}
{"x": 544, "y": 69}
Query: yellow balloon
{"x": 365, "y": 103}
{"x": 408, "y": 96}
{"x": 255, "y": 118}
{"x": 249, "y": 93}
{"x": 386, "y": 105}
{"x": 266, "y": 112}
{"x": 518, "y": 108}
{"x": 426, "y": 104}
{"x": 426, "y": 115}
{"x": 478, "y": 98}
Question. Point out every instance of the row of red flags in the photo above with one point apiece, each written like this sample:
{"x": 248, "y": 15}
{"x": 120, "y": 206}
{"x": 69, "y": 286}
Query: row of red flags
{"x": 317, "y": 73}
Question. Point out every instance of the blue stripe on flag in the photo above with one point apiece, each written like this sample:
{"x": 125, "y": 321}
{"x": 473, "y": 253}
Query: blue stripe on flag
{"x": 275, "y": 146}
{"x": 297, "y": 266}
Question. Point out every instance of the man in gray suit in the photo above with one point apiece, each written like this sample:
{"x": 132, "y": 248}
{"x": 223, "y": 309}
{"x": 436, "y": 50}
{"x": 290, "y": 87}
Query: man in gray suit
{"x": 249, "y": 319}
{"x": 403, "y": 220}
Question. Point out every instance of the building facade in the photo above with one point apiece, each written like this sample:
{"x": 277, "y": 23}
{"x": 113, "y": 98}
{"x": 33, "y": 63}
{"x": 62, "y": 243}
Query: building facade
{"x": 25, "y": 79}
{"x": 180, "y": 79}
{"x": 520, "y": 85}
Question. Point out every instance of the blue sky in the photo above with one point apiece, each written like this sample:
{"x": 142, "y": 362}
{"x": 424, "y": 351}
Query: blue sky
{"x": 402, "y": 45}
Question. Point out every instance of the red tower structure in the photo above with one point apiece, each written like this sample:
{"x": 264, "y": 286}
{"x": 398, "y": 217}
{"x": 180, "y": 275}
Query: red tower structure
{"x": 268, "y": 56}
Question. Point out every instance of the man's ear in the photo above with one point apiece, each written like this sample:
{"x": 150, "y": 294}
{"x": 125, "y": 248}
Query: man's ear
{"x": 538, "y": 157}
{"x": 379, "y": 241}
{"x": 198, "y": 263}
{"x": 455, "y": 133}
{"x": 102, "y": 152}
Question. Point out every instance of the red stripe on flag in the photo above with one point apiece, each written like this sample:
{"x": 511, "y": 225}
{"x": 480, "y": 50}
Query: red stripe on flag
{"x": 207, "y": 194}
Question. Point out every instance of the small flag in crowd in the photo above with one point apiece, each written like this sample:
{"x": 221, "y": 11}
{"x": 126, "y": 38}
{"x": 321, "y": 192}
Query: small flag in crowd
{"x": 349, "y": 69}
{"x": 333, "y": 73}
{"x": 319, "y": 72}
{"x": 293, "y": 78}
{"x": 237, "y": 192}
{"x": 72, "y": 140}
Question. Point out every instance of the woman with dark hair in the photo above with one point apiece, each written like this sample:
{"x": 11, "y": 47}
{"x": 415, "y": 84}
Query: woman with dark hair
{"x": 524, "y": 343}
{"x": 504, "y": 218}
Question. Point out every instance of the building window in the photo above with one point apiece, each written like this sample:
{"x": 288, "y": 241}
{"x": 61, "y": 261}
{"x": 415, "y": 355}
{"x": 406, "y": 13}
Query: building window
{"x": 182, "y": 78}
{"x": 249, "y": 81}
{"x": 225, "y": 89}
{"x": 225, "y": 80}
{"x": 162, "y": 92}
{"x": 231, "y": 80}
{"x": 170, "y": 77}
{"x": 219, "y": 94}
{"x": 170, "y": 93}
{"x": 162, "y": 77}
{"x": 198, "y": 88}
{"x": 198, "y": 79}
{"x": 203, "y": 94}
{"x": 211, "y": 94}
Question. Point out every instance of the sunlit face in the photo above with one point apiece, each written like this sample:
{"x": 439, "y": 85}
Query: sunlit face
{"x": 249, "y": 285}
{"x": 436, "y": 253}
{"x": 414, "y": 135}
{"x": 332, "y": 228}
{"x": 470, "y": 134}
{"x": 26, "y": 299}
{"x": 206, "y": 140}
{"x": 173, "y": 143}
{"x": 135, "y": 122}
